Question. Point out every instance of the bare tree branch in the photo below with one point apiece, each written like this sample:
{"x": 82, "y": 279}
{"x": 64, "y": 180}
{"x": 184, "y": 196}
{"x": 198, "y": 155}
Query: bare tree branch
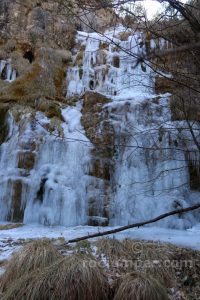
{"x": 187, "y": 47}
{"x": 140, "y": 224}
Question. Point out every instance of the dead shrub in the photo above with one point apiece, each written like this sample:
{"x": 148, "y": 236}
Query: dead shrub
{"x": 111, "y": 248}
{"x": 34, "y": 255}
{"x": 139, "y": 287}
{"x": 153, "y": 259}
{"x": 73, "y": 278}
{"x": 10, "y": 226}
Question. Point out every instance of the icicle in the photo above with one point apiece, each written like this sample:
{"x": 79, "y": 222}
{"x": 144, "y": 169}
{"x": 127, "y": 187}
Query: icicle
{"x": 2, "y": 66}
{"x": 14, "y": 75}
{"x": 8, "y": 72}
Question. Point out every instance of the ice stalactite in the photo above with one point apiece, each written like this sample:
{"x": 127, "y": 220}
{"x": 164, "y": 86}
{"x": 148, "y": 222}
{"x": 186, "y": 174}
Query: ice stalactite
{"x": 6, "y": 71}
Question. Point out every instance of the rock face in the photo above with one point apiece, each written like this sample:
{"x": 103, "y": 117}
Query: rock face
{"x": 99, "y": 129}
{"x": 35, "y": 41}
{"x": 86, "y": 134}
{"x": 3, "y": 124}
{"x": 33, "y": 23}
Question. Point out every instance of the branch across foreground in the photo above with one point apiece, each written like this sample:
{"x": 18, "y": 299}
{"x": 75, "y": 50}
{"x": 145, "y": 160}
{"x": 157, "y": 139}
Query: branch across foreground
{"x": 116, "y": 230}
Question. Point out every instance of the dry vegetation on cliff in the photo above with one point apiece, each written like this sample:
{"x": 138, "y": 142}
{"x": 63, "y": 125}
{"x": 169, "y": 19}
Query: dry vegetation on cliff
{"x": 36, "y": 36}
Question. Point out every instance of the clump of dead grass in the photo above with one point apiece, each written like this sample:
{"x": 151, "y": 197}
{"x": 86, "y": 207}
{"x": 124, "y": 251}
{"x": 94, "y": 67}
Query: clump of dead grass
{"x": 83, "y": 247}
{"x": 111, "y": 248}
{"x": 153, "y": 258}
{"x": 77, "y": 277}
{"x": 160, "y": 257}
{"x": 10, "y": 226}
{"x": 34, "y": 255}
{"x": 146, "y": 257}
{"x": 139, "y": 286}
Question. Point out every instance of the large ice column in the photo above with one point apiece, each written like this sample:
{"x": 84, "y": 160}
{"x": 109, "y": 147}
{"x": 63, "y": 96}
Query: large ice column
{"x": 44, "y": 175}
{"x": 9, "y": 172}
{"x": 58, "y": 184}
{"x": 151, "y": 175}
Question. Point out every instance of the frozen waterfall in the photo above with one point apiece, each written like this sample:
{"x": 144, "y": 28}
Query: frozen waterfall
{"x": 45, "y": 174}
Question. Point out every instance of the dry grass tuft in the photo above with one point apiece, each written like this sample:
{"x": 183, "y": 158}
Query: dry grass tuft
{"x": 160, "y": 258}
{"x": 83, "y": 247}
{"x": 34, "y": 255}
{"x": 70, "y": 278}
{"x": 146, "y": 257}
{"x": 10, "y": 226}
{"x": 140, "y": 287}
{"x": 111, "y": 248}
{"x": 154, "y": 259}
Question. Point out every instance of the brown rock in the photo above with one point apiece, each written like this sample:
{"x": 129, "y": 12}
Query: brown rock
{"x": 17, "y": 211}
{"x": 3, "y": 124}
{"x": 26, "y": 160}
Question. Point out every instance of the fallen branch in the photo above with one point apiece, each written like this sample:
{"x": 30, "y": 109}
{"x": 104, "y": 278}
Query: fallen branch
{"x": 163, "y": 216}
